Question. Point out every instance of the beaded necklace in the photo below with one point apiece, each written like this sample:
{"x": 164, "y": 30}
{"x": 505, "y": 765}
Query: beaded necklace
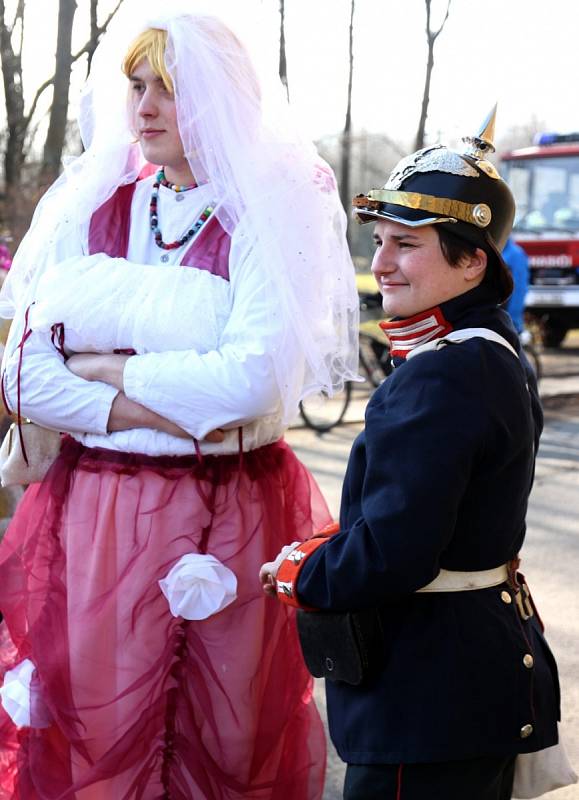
{"x": 175, "y": 187}
{"x": 160, "y": 180}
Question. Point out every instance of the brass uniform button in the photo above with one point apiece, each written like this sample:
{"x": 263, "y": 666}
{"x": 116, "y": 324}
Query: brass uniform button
{"x": 528, "y": 661}
{"x": 526, "y": 731}
{"x": 506, "y": 597}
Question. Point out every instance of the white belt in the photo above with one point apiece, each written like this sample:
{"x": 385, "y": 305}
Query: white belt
{"x": 451, "y": 581}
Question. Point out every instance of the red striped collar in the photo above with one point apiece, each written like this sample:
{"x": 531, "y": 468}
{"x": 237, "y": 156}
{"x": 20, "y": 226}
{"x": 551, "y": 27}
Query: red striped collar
{"x": 406, "y": 334}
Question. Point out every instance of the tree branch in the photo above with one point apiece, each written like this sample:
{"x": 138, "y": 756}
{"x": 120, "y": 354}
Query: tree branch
{"x": 40, "y": 91}
{"x": 93, "y": 19}
{"x": 85, "y": 49}
{"x": 22, "y": 27}
{"x": 102, "y": 28}
{"x": 435, "y": 36}
{"x": 431, "y": 37}
{"x": 282, "y": 69}
{"x": 18, "y": 14}
{"x": 31, "y": 133}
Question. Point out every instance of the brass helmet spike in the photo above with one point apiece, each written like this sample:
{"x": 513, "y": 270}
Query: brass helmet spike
{"x": 482, "y": 143}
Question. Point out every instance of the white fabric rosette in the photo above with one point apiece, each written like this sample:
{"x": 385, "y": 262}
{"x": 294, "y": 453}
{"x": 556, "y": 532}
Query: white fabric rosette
{"x": 198, "y": 586}
{"x": 21, "y": 699}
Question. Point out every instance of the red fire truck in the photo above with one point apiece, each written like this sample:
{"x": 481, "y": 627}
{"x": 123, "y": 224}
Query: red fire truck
{"x": 545, "y": 182}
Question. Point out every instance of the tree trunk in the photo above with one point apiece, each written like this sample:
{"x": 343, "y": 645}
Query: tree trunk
{"x": 59, "y": 111}
{"x": 20, "y": 129}
{"x": 282, "y": 58}
{"x": 94, "y": 33}
{"x": 419, "y": 143}
{"x": 431, "y": 37}
{"x": 345, "y": 193}
{"x": 13, "y": 98}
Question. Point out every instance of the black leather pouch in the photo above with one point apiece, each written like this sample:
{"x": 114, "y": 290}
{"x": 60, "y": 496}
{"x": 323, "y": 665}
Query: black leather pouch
{"x": 341, "y": 646}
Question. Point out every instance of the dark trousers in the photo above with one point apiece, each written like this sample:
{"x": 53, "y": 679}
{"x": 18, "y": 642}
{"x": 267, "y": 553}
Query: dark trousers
{"x": 474, "y": 779}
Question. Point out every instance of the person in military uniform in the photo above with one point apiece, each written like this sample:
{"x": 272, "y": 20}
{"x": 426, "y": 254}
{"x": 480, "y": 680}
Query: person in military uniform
{"x": 434, "y": 502}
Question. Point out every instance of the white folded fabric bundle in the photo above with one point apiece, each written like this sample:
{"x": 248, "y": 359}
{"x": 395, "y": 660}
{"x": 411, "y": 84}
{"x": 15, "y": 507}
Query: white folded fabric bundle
{"x": 107, "y": 304}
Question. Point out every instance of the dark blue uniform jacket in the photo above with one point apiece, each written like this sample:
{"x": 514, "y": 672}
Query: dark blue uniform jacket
{"x": 440, "y": 479}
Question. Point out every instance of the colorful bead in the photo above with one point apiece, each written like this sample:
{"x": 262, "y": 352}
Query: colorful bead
{"x": 160, "y": 180}
{"x": 174, "y": 186}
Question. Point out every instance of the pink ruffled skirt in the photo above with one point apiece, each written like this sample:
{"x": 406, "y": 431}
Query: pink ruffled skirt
{"x": 129, "y": 702}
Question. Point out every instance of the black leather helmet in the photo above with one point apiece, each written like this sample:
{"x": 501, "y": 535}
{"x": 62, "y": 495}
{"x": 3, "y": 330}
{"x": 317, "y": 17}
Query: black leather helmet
{"x": 461, "y": 191}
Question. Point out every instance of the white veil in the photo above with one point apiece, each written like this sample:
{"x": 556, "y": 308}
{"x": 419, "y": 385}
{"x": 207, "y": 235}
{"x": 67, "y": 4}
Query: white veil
{"x": 238, "y": 134}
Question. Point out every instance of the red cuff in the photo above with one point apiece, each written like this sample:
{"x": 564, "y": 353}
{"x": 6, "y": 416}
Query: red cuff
{"x": 289, "y": 571}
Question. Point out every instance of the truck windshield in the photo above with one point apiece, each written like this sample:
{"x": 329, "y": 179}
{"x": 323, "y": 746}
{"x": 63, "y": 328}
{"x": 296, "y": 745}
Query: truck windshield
{"x": 546, "y": 192}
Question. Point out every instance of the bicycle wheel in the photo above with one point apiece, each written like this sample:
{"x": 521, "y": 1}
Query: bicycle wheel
{"x": 322, "y": 413}
{"x": 373, "y": 358}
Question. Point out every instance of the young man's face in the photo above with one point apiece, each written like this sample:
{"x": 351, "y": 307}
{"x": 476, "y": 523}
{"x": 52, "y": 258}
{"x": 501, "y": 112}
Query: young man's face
{"x": 412, "y": 273}
{"x": 154, "y": 119}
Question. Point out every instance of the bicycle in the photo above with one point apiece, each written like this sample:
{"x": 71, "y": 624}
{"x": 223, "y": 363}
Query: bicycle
{"x": 321, "y": 413}
{"x": 373, "y": 348}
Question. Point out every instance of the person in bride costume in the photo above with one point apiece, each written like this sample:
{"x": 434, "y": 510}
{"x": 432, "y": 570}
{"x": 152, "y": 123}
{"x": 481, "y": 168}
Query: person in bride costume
{"x": 169, "y": 324}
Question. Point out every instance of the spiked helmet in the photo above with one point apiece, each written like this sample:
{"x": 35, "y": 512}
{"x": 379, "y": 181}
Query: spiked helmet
{"x": 462, "y": 191}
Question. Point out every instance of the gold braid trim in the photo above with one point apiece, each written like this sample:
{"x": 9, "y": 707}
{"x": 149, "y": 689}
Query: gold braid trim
{"x": 475, "y": 213}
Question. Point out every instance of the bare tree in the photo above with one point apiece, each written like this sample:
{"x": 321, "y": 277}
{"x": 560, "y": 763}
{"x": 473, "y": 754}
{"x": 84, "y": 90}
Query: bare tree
{"x": 346, "y": 149}
{"x": 96, "y": 31}
{"x": 282, "y": 58}
{"x": 19, "y": 122}
{"x": 61, "y": 83}
{"x": 11, "y": 60}
{"x": 56, "y": 135}
{"x": 431, "y": 37}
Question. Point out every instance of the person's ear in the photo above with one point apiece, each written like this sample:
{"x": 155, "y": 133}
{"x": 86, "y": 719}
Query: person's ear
{"x": 475, "y": 266}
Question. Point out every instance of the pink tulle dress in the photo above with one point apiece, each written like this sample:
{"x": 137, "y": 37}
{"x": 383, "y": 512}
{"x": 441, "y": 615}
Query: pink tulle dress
{"x": 130, "y": 701}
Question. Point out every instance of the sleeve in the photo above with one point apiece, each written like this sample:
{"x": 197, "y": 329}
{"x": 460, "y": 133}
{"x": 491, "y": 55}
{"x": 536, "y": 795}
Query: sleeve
{"x": 50, "y": 394}
{"x": 423, "y": 436}
{"x": 229, "y": 385}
